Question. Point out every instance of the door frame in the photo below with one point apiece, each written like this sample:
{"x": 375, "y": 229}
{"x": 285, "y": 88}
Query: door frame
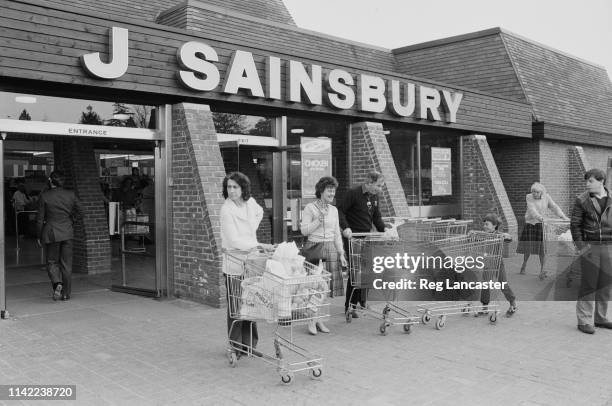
{"x": 162, "y": 154}
{"x": 277, "y": 145}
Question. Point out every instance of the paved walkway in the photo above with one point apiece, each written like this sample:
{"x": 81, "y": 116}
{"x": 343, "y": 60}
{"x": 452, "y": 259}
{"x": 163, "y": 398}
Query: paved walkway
{"x": 120, "y": 349}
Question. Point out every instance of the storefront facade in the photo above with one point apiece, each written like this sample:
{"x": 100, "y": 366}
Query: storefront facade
{"x": 234, "y": 91}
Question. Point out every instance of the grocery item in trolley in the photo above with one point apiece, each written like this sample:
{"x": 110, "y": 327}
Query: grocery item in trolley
{"x": 281, "y": 289}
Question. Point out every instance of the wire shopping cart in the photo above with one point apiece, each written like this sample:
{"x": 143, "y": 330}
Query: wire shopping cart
{"x": 560, "y": 250}
{"x": 256, "y": 294}
{"x": 486, "y": 249}
{"x": 430, "y": 229}
{"x": 391, "y": 314}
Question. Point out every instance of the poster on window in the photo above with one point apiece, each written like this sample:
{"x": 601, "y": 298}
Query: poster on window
{"x": 441, "y": 175}
{"x": 316, "y": 163}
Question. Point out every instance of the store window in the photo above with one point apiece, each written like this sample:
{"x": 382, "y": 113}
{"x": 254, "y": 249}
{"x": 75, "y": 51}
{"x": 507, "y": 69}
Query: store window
{"x": 244, "y": 124}
{"x": 21, "y": 106}
{"x": 330, "y": 160}
{"x": 431, "y": 189}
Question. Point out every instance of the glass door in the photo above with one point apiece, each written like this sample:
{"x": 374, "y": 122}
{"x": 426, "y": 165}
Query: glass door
{"x": 127, "y": 183}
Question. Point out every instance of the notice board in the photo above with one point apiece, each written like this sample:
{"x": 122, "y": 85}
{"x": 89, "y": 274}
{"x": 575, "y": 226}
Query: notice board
{"x": 316, "y": 163}
{"x": 441, "y": 172}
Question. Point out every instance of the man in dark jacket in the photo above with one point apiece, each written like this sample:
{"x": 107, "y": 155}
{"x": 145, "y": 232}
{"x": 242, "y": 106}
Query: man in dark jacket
{"x": 358, "y": 212}
{"x": 56, "y": 212}
{"x": 591, "y": 226}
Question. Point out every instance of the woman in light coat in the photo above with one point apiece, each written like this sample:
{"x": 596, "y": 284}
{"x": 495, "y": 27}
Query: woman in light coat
{"x": 240, "y": 218}
{"x": 532, "y": 238}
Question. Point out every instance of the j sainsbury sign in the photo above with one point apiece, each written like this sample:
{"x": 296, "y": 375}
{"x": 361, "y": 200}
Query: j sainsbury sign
{"x": 307, "y": 84}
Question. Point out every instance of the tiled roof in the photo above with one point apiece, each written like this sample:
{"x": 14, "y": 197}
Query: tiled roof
{"x": 147, "y": 10}
{"x": 561, "y": 89}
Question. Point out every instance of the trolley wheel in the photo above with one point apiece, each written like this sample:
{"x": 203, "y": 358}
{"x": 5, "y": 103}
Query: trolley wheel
{"x": 383, "y": 328}
{"x": 316, "y": 373}
{"x": 425, "y": 318}
{"x": 232, "y": 359}
{"x": 348, "y": 316}
{"x": 407, "y": 328}
{"x": 286, "y": 378}
{"x": 440, "y": 323}
{"x": 493, "y": 317}
{"x": 466, "y": 310}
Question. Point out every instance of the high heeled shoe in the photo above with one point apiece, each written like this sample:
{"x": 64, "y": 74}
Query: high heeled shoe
{"x": 312, "y": 328}
{"x": 322, "y": 327}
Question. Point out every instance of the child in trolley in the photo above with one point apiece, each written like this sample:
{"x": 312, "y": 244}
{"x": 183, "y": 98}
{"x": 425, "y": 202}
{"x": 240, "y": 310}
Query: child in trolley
{"x": 491, "y": 224}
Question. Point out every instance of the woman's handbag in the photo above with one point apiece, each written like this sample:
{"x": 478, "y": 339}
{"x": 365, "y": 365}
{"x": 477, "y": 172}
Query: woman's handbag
{"x": 313, "y": 252}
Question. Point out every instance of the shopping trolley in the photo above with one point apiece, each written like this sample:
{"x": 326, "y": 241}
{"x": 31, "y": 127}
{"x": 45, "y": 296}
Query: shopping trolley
{"x": 488, "y": 247}
{"x": 560, "y": 250}
{"x": 391, "y": 313}
{"x": 257, "y": 295}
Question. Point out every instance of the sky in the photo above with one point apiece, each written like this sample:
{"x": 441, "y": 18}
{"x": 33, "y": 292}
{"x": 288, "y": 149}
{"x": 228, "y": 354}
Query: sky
{"x": 580, "y": 28}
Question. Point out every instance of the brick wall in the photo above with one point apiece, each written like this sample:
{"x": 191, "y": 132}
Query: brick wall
{"x": 597, "y": 157}
{"x": 92, "y": 251}
{"x": 578, "y": 165}
{"x": 370, "y": 151}
{"x": 484, "y": 191}
{"x": 555, "y": 173}
{"x": 518, "y": 164}
{"x": 198, "y": 172}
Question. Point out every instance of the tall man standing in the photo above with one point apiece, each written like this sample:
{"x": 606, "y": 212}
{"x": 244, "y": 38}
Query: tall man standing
{"x": 359, "y": 212}
{"x": 591, "y": 226}
{"x": 55, "y": 228}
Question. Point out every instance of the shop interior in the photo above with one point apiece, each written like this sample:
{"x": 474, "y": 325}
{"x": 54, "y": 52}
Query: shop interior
{"x": 127, "y": 184}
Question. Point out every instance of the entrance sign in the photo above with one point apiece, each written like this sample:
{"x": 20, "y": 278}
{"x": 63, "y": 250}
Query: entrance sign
{"x": 199, "y": 70}
{"x": 316, "y": 163}
{"x": 441, "y": 175}
{"x": 78, "y": 130}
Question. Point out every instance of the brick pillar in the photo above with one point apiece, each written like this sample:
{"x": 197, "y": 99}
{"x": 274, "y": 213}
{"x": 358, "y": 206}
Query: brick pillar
{"x": 92, "y": 250}
{"x": 578, "y": 165}
{"x": 483, "y": 190}
{"x": 197, "y": 172}
{"x": 370, "y": 151}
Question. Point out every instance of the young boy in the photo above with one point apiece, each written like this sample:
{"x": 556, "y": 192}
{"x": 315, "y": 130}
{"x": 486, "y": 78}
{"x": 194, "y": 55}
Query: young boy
{"x": 491, "y": 224}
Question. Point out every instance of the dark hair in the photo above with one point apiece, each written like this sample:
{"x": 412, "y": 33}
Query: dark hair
{"x": 596, "y": 173}
{"x": 324, "y": 183}
{"x": 242, "y": 180}
{"x": 493, "y": 219}
{"x": 57, "y": 178}
{"x": 373, "y": 176}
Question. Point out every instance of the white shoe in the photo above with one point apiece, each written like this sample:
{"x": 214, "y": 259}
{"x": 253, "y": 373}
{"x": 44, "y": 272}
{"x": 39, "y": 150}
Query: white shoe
{"x": 312, "y": 328}
{"x": 322, "y": 327}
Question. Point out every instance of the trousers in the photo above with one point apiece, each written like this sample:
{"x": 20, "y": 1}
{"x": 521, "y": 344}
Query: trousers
{"x": 595, "y": 284}
{"x": 59, "y": 264}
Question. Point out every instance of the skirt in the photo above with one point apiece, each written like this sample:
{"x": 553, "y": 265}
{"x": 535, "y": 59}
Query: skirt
{"x": 332, "y": 265}
{"x": 531, "y": 240}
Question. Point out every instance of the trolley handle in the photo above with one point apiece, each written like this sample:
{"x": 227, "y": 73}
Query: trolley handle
{"x": 371, "y": 234}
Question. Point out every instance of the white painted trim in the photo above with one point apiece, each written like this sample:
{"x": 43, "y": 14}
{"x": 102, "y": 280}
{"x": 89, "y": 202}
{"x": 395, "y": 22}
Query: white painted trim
{"x": 241, "y": 139}
{"x": 78, "y": 130}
